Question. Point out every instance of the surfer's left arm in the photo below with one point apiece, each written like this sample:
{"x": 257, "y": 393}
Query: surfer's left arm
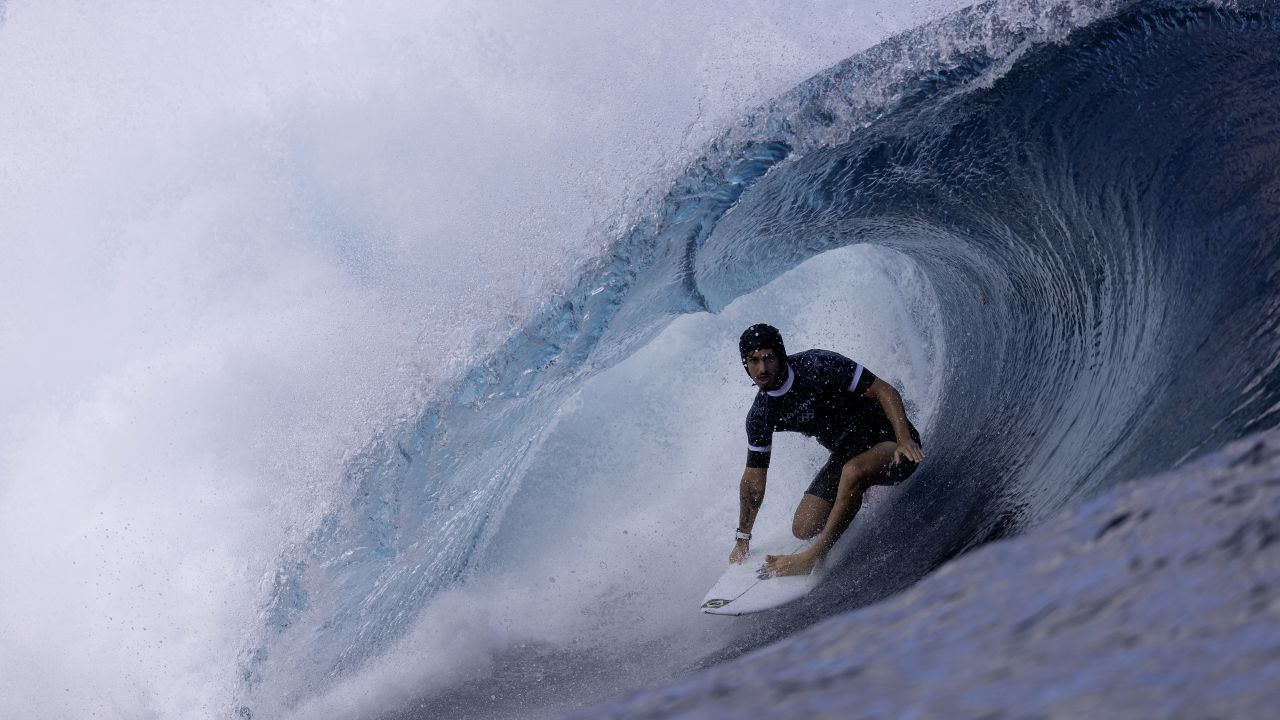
{"x": 889, "y": 399}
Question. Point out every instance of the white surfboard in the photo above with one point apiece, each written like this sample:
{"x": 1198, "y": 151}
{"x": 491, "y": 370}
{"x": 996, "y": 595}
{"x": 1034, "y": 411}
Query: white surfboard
{"x": 747, "y": 588}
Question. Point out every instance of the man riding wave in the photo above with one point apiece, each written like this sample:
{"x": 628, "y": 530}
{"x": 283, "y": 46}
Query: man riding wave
{"x": 849, "y": 411}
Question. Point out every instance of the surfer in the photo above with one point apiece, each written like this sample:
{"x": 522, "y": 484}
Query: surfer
{"x": 850, "y": 411}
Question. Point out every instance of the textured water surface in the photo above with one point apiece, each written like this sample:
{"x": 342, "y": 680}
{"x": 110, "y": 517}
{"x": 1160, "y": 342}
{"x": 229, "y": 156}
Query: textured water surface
{"x": 1158, "y": 599}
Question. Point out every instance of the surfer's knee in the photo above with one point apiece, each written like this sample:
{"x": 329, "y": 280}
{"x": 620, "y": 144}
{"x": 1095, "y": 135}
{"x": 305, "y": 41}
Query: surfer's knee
{"x": 855, "y": 474}
{"x": 859, "y": 471}
{"x": 806, "y": 529}
{"x": 811, "y": 517}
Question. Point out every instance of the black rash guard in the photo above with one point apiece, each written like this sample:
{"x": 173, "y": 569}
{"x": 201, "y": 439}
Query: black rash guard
{"x": 822, "y": 397}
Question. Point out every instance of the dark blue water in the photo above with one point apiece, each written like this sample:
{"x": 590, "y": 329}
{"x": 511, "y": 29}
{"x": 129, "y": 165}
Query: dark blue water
{"x": 1092, "y": 193}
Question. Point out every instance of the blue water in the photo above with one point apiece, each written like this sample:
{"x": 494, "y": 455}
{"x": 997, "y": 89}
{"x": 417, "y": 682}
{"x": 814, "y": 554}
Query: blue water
{"x": 1089, "y": 192}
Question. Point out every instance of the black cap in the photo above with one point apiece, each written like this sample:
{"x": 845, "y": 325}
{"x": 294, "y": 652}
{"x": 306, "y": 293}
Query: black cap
{"x": 760, "y": 336}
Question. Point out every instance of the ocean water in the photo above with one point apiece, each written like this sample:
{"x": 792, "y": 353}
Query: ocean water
{"x": 381, "y": 363}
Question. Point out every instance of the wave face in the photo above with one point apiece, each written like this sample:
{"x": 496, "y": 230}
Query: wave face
{"x": 1090, "y": 192}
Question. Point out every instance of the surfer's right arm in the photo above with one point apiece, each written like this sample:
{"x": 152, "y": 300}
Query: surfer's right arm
{"x": 751, "y": 490}
{"x": 750, "y": 497}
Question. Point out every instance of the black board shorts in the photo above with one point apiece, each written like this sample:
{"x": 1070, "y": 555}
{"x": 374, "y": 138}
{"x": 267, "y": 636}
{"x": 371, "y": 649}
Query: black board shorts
{"x": 827, "y": 482}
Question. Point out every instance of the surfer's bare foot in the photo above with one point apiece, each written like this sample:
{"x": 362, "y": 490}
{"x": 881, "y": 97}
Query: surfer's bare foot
{"x": 798, "y": 564}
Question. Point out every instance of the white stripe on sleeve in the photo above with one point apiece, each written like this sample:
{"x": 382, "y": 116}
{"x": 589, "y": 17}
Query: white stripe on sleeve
{"x": 857, "y": 375}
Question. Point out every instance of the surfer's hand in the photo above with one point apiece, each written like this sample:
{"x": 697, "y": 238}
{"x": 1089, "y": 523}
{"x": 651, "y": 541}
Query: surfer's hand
{"x": 741, "y": 549}
{"x": 908, "y": 450}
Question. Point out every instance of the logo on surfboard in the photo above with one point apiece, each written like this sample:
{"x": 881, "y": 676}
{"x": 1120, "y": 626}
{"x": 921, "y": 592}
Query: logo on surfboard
{"x": 713, "y": 604}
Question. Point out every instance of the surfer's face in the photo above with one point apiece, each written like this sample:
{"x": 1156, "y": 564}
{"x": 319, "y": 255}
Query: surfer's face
{"x": 765, "y": 368}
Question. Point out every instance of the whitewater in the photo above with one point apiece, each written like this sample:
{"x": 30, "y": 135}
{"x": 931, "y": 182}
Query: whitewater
{"x": 381, "y": 362}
